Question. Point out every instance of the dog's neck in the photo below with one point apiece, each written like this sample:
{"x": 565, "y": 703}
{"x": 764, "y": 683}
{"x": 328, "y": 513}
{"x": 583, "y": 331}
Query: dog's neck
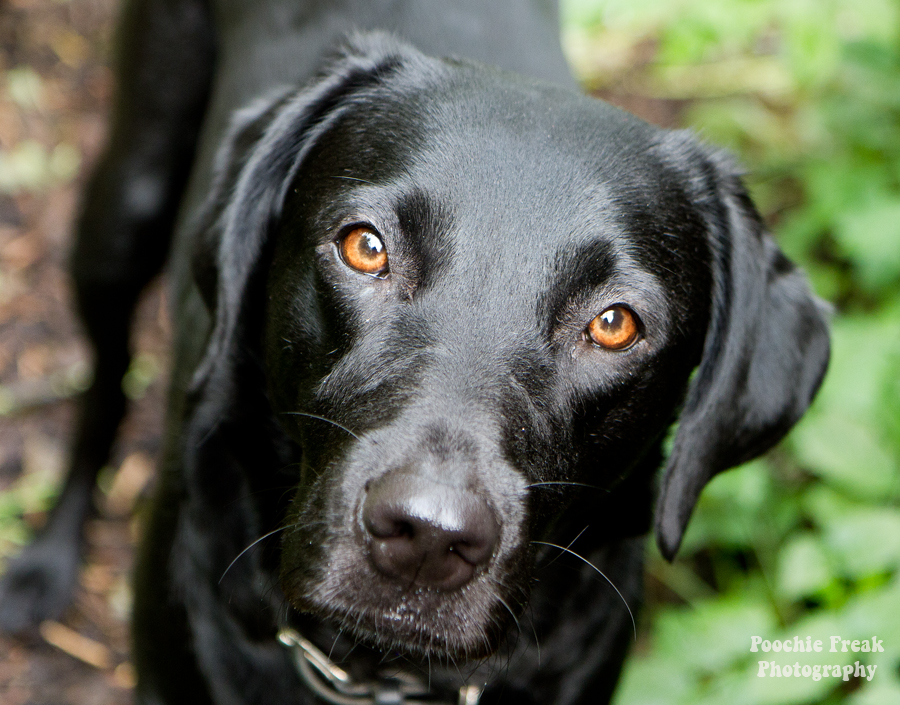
{"x": 332, "y": 684}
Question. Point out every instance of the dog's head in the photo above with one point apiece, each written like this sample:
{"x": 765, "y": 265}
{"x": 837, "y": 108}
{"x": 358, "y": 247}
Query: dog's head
{"x": 474, "y": 293}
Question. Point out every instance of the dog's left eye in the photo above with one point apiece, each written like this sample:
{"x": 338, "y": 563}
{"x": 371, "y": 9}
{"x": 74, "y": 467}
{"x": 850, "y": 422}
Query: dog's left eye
{"x": 363, "y": 249}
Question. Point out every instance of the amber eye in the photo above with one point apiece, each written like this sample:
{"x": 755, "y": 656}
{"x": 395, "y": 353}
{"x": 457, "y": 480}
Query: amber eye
{"x": 363, "y": 250}
{"x": 614, "y": 329}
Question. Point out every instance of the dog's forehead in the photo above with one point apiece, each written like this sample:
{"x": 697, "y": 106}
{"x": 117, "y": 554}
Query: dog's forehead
{"x": 509, "y": 148}
{"x": 513, "y": 177}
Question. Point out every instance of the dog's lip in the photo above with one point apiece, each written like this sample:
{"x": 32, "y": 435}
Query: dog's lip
{"x": 422, "y": 621}
{"x": 342, "y": 585}
{"x": 402, "y": 630}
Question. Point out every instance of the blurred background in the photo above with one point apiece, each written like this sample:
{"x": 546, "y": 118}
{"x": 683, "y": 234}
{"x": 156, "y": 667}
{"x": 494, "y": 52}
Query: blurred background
{"x": 803, "y": 542}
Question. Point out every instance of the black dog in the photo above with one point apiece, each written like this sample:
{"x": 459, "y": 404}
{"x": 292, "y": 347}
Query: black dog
{"x": 438, "y": 321}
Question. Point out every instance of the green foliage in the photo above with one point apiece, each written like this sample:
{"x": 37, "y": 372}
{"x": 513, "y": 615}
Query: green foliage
{"x": 29, "y": 165}
{"x": 32, "y": 493}
{"x": 805, "y": 541}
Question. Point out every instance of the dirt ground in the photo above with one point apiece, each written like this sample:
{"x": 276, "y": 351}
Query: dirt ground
{"x": 55, "y": 88}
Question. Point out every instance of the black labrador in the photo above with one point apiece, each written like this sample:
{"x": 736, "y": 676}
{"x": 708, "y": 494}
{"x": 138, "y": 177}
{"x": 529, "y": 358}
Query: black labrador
{"x": 433, "y": 323}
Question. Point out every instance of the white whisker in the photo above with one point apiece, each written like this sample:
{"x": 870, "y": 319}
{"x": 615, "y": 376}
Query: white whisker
{"x": 582, "y": 558}
{"x": 261, "y": 538}
{"x": 321, "y": 418}
{"x": 560, "y": 482}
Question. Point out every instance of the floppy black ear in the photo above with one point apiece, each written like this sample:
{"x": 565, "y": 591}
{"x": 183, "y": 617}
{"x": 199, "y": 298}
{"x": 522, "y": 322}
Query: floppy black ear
{"x": 764, "y": 357}
{"x": 259, "y": 158}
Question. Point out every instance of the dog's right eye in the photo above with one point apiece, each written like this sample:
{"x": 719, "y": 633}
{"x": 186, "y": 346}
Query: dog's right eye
{"x": 617, "y": 329}
{"x": 363, "y": 249}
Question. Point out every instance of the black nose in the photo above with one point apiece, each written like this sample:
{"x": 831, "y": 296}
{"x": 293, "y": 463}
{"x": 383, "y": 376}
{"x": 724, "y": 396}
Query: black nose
{"x": 427, "y": 534}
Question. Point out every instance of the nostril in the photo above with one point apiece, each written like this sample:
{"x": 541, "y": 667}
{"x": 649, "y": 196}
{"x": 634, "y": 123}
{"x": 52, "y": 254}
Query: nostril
{"x": 475, "y": 553}
{"x": 403, "y": 529}
{"x": 384, "y": 519}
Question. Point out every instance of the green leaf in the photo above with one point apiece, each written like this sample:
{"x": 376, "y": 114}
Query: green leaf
{"x": 803, "y": 567}
{"x": 883, "y": 689}
{"x": 729, "y": 511}
{"x": 823, "y": 504}
{"x": 846, "y": 452}
{"x": 865, "y": 542}
{"x": 845, "y": 438}
{"x": 871, "y": 239}
{"x": 654, "y": 680}
{"x": 714, "y": 634}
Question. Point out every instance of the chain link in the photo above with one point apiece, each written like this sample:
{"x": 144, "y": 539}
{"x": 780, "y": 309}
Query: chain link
{"x": 334, "y": 685}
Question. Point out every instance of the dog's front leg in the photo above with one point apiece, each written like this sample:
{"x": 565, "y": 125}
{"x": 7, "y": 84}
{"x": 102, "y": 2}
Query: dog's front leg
{"x": 164, "y": 70}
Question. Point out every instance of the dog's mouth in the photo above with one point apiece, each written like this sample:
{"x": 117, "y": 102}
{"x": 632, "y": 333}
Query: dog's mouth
{"x": 415, "y": 547}
{"x": 420, "y": 574}
{"x": 420, "y": 625}
{"x": 464, "y": 623}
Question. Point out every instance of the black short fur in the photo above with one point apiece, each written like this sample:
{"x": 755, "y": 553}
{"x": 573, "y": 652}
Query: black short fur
{"x": 513, "y": 212}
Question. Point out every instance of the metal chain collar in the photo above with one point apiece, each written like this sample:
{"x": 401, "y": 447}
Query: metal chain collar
{"x": 334, "y": 685}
